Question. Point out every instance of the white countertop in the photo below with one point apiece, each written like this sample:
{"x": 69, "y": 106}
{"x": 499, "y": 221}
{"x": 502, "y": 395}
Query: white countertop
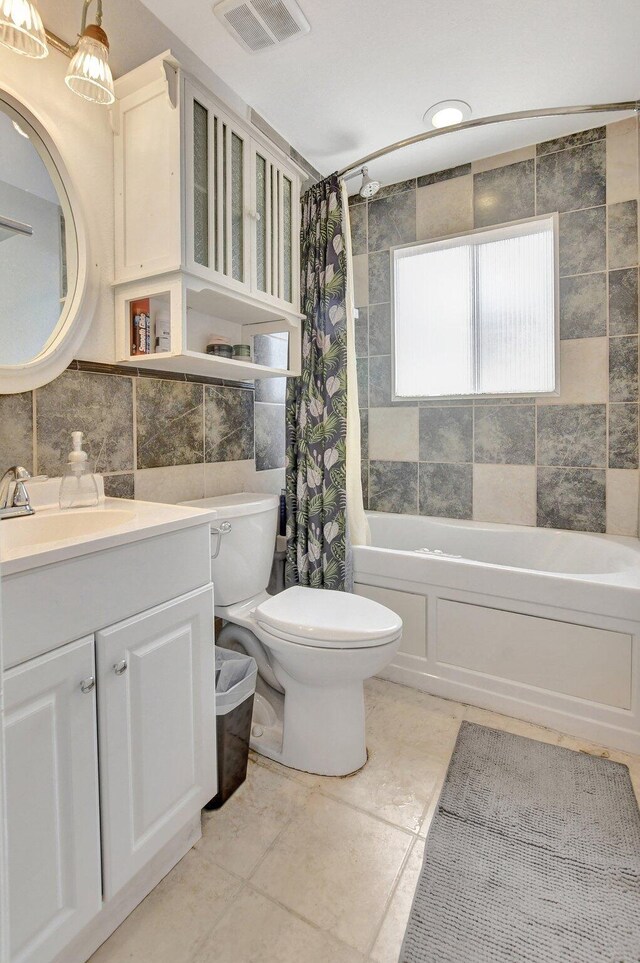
{"x": 143, "y": 520}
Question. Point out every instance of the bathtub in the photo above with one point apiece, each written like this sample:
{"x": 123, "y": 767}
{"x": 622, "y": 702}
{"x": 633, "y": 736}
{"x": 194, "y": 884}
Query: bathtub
{"x": 540, "y": 624}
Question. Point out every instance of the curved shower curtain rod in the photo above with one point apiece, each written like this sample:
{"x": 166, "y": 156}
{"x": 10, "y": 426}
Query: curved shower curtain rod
{"x": 486, "y": 121}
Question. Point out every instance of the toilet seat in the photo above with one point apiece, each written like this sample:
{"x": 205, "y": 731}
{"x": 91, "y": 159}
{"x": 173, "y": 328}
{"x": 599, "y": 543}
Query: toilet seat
{"x": 327, "y": 619}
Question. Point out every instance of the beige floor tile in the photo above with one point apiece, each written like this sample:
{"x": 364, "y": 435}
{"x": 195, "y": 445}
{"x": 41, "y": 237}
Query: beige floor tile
{"x": 336, "y": 867}
{"x": 238, "y": 835}
{"x": 414, "y": 720}
{"x": 176, "y": 916}
{"x": 389, "y": 940}
{"x": 396, "y": 784}
{"x": 259, "y": 931}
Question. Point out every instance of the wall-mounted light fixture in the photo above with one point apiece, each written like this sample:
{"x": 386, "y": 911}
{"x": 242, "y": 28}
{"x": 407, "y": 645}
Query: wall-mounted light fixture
{"x": 89, "y": 74}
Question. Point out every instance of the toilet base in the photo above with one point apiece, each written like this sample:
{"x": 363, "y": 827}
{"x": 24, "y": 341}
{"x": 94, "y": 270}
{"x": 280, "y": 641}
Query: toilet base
{"x": 324, "y": 730}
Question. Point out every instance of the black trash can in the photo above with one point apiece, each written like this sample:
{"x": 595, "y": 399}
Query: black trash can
{"x": 236, "y": 676}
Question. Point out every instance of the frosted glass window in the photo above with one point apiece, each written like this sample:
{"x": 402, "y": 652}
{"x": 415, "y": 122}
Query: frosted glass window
{"x": 476, "y": 314}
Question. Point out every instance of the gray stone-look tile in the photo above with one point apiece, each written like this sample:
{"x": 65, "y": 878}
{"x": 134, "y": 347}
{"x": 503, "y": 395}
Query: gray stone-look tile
{"x": 393, "y": 487}
{"x": 570, "y": 180}
{"x": 505, "y": 434}
{"x": 572, "y": 140}
{"x": 623, "y": 234}
{"x": 379, "y": 329}
{"x": 99, "y": 405}
{"x": 504, "y": 194}
{"x": 380, "y": 382}
{"x": 623, "y": 436}
{"x": 623, "y": 301}
{"x": 119, "y": 486}
{"x": 272, "y": 351}
{"x": 228, "y": 423}
{"x": 169, "y": 422}
{"x": 446, "y": 490}
{"x": 364, "y": 433}
{"x": 362, "y": 365}
{"x": 16, "y": 431}
{"x": 426, "y": 179}
{"x": 270, "y": 436}
{"x": 379, "y": 279}
{"x": 362, "y": 333}
{"x": 446, "y": 434}
{"x": 388, "y": 189}
{"x": 583, "y": 241}
{"x": 358, "y": 220}
{"x": 572, "y": 435}
{"x": 573, "y": 498}
{"x": 623, "y": 369}
{"x": 364, "y": 480}
{"x": 392, "y": 220}
{"x": 583, "y": 306}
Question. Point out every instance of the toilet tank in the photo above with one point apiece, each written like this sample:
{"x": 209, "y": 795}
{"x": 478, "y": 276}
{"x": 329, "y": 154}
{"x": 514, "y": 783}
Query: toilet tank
{"x": 248, "y": 522}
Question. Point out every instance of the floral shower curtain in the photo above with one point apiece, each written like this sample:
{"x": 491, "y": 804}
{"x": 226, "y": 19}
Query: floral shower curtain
{"x": 317, "y": 537}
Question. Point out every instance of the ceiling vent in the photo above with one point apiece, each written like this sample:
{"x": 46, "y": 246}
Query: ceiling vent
{"x": 261, "y": 24}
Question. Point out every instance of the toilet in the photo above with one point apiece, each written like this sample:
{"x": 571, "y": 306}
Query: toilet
{"x": 314, "y": 648}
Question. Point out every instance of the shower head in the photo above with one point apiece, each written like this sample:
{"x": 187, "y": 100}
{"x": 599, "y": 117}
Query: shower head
{"x": 369, "y": 187}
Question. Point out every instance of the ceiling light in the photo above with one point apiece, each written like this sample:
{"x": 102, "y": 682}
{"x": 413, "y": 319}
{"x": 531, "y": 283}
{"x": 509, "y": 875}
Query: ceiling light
{"x": 447, "y": 113}
{"x": 89, "y": 73}
{"x": 21, "y": 28}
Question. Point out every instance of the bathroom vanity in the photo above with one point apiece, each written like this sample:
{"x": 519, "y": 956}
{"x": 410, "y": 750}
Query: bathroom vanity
{"x": 109, "y": 713}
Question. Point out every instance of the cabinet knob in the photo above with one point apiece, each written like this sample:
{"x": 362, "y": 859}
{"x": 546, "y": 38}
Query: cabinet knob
{"x": 88, "y": 685}
{"x": 120, "y": 667}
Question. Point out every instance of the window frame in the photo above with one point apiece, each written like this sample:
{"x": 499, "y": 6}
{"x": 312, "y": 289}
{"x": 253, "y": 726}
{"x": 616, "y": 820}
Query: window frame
{"x": 439, "y": 242}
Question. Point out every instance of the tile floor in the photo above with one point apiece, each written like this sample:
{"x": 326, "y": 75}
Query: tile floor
{"x": 304, "y": 869}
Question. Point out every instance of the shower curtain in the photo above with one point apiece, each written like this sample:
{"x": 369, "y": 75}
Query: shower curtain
{"x": 318, "y": 516}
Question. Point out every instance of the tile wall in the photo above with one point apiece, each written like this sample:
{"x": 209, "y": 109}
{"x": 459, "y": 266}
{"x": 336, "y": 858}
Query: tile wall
{"x": 155, "y": 438}
{"x": 567, "y": 462}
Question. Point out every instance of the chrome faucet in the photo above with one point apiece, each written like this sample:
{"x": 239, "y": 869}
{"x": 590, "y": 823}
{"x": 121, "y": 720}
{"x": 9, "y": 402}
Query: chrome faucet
{"x": 15, "y": 502}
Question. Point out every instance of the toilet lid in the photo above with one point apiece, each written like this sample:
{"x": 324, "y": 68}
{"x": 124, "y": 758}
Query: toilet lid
{"x": 324, "y": 618}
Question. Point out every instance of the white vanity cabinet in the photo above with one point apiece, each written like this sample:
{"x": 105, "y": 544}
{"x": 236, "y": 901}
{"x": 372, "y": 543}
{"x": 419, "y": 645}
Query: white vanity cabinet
{"x": 109, "y": 725}
{"x": 157, "y": 755}
{"x": 207, "y": 221}
{"x": 55, "y": 885}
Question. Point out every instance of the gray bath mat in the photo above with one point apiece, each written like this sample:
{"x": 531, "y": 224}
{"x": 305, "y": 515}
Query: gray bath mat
{"x": 533, "y": 855}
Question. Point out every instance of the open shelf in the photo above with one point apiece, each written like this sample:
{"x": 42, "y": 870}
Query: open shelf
{"x": 208, "y": 365}
{"x": 196, "y": 312}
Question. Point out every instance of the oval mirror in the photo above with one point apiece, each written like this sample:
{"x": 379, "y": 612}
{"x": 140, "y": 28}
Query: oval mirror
{"x": 42, "y": 278}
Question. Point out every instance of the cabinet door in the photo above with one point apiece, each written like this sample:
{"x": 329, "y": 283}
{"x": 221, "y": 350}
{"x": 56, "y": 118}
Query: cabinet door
{"x": 275, "y": 241}
{"x": 52, "y": 801}
{"x": 217, "y": 168}
{"x": 156, "y": 711}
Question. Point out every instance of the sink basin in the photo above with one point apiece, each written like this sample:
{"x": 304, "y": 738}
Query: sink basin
{"x": 42, "y": 529}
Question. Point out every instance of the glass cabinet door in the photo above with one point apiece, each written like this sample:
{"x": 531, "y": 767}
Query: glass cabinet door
{"x": 275, "y": 229}
{"x": 217, "y": 163}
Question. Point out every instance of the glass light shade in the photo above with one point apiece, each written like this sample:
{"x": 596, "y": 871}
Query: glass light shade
{"x": 21, "y": 28}
{"x": 89, "y": 73}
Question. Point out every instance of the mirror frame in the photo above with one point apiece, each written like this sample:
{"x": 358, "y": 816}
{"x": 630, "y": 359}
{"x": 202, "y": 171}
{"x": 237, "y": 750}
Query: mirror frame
{"x": 69, "y": 333}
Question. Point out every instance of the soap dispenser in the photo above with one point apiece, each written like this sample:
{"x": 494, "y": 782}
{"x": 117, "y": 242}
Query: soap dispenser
{"x": 79, "y": 488}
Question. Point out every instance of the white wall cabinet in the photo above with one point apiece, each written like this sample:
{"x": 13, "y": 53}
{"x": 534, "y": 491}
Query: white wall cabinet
{"x": 157, "y": 730}
{"x": 207, "y": 223}
{"x": 55, "y": 885}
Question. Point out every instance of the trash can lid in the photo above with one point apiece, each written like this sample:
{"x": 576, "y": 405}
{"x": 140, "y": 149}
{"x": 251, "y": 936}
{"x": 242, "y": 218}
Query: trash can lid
{"x": 325, "y": 618}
